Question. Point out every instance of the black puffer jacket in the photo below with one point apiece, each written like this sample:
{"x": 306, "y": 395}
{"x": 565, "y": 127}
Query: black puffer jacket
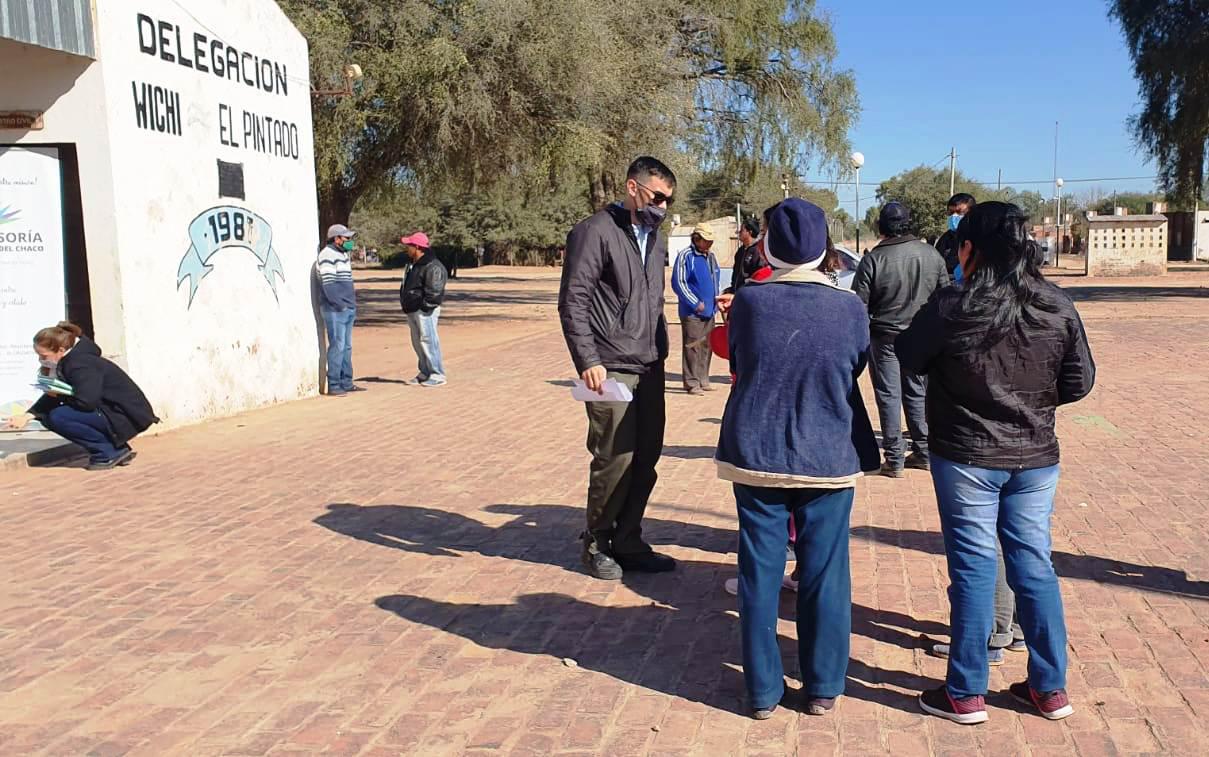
{"x": 994, "y": 408}
{"x": 610, "y": 304}
{"x": 100, "y": 385}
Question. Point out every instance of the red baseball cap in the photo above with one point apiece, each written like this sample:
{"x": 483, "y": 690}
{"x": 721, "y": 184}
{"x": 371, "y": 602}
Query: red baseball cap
{"x": 419, "y": 239}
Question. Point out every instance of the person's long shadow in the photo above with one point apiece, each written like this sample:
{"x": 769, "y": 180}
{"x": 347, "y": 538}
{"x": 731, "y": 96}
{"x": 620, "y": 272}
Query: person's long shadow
{"x": 1085, "y": 567}
{"x": 681, "y": 652}
{"x": 539, "y": 533}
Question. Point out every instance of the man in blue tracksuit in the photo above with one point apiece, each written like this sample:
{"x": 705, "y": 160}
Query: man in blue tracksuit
{"x": 696, "y": 281}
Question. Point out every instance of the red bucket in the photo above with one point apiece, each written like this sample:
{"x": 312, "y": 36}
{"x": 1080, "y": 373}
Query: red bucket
{"x": 719, "y": 341}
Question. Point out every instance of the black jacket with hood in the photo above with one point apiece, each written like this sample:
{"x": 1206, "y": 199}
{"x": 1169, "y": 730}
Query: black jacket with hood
{"x": 100, "y": 385}
{"x": 610, "y": 303}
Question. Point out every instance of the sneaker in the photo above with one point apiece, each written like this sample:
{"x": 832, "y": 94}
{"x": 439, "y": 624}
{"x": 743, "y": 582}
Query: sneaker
{"x": 1017, "y": 645}
{"x": 890, "y": 470}
{"x": 434, "y": 381}
{"x": 128, "y": 459}
{"x": 355, "y": 388}
{"x": 994, "y": 656}
{"x": 732, "y": 584}
{"x": 337, "y": 393}
{"x": 1052, "y": 705}
{"x": 819, "y": 705}
{"x": 964, "y": 711}
{"x": 416, "y": 381}
{"x": 918, "y": 461}
{"x": 697, "y": 391}
{"x": 599, "y": 564}
{"x": 646, "y": 562}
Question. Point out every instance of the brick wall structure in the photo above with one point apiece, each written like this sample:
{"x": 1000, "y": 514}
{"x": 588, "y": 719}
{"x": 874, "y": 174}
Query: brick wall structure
{"x": 1123, "y": 245}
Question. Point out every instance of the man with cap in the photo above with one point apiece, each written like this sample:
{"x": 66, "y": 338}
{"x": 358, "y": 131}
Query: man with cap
{"x": 895, "y": 280}
{"x": 696, "y": 280}
{"x": 338, "y": 305}
{"x": 794, "y": 439}
{"x": 421, "y": 295}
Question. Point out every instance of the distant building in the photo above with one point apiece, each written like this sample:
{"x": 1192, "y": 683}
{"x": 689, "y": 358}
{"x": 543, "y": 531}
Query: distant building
{"x": 1183, "y": 234}
{"x": 1125, "y": 245}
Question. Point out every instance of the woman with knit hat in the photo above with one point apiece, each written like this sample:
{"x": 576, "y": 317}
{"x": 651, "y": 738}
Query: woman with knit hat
{"x": 795, "y": 437}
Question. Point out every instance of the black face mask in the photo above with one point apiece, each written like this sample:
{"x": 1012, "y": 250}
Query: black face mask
{"x": 652, "y": 216}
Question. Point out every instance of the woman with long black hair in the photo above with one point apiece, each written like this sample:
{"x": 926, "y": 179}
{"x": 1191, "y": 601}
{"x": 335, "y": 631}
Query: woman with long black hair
{"x": 1001, "y": 351}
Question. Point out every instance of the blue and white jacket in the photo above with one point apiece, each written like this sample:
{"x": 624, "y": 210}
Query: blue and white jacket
{"x": 696, "y": 279}
{"x": 795, "y": 418}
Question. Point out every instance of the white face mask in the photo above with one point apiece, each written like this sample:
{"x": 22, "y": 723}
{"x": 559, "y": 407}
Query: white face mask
{"x": 51, "y": 364}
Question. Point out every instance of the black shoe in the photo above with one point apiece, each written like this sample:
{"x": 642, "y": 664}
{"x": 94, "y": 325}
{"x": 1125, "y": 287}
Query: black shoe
{"x": 918, "y": 461}
{"x": 819, "y": 705}
{"x": 646, "y": 562}
{"x": 599, "y": 564}
{"x": 890, "y": 470}
{"x": 355, "y": 388}
{"x": 128, "y": 459}
{"x": 124, "y": 457}
{"x": 764, "y": 713}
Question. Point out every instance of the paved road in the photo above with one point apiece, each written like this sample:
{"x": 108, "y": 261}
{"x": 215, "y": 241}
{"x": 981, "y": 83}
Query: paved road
{"x": 396, "y": 572}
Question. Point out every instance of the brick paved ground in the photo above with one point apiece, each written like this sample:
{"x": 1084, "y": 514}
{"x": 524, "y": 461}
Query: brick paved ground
{"x": 396, "y": 572}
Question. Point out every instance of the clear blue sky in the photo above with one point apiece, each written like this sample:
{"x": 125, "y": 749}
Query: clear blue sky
{"x": 990, "y": 81}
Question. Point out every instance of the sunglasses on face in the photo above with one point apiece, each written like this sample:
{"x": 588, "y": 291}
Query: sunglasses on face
{"x": 657, "y": 198}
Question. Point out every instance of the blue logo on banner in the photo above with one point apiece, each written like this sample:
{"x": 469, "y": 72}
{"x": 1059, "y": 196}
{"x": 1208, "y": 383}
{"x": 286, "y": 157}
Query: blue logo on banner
{"x": 222, "y": 227}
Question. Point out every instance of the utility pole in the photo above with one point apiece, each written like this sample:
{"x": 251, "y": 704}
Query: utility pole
{"x": 952, "y": 171}
{"x": 999, "y": 185}
{"x": 858, "y": 160}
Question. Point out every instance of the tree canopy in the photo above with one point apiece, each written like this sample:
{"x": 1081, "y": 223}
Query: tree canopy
{"x": 1168, "y": 40}
{"x": 533, "y": 102}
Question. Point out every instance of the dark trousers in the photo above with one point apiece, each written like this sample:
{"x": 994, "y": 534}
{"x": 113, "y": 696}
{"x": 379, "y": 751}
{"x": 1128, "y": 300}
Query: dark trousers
{"x": 696, "y": 353}
{"x": 626, "y": 440}
{"x": 896, "y": 390}
{"x": 89, "y": 430}
{"x": 824, "y": 613}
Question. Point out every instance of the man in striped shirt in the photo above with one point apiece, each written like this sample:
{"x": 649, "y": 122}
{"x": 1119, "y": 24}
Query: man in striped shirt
{"x": 338, "y": 304}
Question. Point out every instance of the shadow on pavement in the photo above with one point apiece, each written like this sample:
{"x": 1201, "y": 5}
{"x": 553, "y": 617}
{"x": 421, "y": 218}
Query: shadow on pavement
{"x": 680, "y": 644}
{"x": 1086, "y": 567}
{"x": 1131, "y": 294}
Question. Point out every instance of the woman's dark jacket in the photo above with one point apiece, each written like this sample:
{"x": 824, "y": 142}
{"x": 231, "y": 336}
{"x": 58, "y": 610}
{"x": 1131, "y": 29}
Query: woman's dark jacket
{"x": 994, "y": 407}
{"x": 99, "y": 385}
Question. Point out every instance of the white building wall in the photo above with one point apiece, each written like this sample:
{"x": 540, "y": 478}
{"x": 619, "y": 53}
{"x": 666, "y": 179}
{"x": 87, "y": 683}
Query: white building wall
{"x": 69, "y": 91}
{"x": 246, "y": 336}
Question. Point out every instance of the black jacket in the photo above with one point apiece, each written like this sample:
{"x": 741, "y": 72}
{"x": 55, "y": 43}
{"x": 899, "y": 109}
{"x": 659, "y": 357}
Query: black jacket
{"x": 895, "y": 280}
{"x": 609, "y": 304}
{"x": 423, "y": 288}
{"x": 994, "y": 408}
{"x": 747, "y": 262}
{"x": 100, "y": 385}
{"x": 947, "y": 247}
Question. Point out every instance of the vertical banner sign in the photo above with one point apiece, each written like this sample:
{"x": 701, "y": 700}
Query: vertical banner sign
{"x": 31, "y": 265}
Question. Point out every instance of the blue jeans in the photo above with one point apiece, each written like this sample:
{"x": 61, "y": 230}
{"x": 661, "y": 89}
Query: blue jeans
{"x": 89, "y": 430}
{"x": 976, "y": 505}
{"x": 824, "y": 616}
{"x": 339, "y": 325}
{"x": 427, "y": 344}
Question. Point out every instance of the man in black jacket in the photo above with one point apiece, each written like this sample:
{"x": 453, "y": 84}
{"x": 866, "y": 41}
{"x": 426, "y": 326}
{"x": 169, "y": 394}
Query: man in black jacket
{"x": 958, "y": 205}
{"x": 610, "y": 305}
{"x": 895, "y": 280}
{"x": 421, "y": 296}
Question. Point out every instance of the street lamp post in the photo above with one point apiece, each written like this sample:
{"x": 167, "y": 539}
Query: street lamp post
{"x": 1058, "y": 222}
{"x": 858, "y": 160}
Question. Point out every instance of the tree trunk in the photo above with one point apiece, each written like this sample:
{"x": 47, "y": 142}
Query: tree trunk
{"x": 596, "y": 190}
{"x": 335, "y": 206}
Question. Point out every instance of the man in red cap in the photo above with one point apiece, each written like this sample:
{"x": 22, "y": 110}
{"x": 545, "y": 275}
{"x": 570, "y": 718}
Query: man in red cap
{"x": 421, "y": 296}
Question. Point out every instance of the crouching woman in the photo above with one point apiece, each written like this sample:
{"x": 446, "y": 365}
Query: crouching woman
{"x": 91, "y": 401}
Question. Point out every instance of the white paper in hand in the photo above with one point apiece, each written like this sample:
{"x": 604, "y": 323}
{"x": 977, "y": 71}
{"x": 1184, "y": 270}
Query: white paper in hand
{"x": 614, "y": 391}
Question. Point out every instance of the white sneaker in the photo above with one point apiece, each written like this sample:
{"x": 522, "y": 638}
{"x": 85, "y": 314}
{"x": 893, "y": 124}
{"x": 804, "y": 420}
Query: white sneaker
{"x": 732, "y": 584}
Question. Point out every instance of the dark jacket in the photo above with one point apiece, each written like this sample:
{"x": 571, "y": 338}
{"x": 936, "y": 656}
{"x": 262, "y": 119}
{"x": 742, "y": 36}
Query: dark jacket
{"x": 795, "y": 416}
{"x": 994, "y": 408}
{"x": 895, "y": 280}
{"x": 947, "y": 247}
{"x": 423, "y": 288}
{"x": 100, "y": 385}
{"x": 747, "y": 262}
{"x": 609, "y": 304}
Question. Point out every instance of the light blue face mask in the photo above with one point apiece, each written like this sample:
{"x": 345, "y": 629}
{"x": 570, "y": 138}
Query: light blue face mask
{"x": 957, "y": 274}
{"x": 954, "y": 221}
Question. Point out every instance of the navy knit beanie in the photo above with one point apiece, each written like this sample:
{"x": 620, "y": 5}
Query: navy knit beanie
{"x": 796, "y": 235}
